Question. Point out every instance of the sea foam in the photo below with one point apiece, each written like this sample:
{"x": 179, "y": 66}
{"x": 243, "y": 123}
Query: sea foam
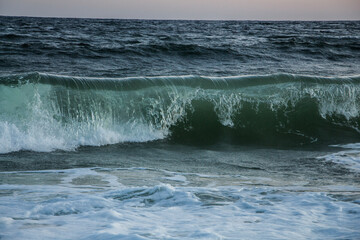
{"x": 73, "y": 209}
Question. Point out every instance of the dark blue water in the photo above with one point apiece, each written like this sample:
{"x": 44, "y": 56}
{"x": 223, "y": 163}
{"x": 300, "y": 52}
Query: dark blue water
{"x": 122, "y": 48}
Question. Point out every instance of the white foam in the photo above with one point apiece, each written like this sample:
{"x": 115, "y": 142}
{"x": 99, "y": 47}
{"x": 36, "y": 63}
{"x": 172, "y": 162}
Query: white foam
{"x": 163, "y": 211}
{"x": 350, "y": 145}
{"x": 348, "y": 158}
{"x": 13, "y": 139}
{"x": 68, "y": 138}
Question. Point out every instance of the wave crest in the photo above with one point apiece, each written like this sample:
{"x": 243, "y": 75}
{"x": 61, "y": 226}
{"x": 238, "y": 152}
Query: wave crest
{"x": 44, "y": 112}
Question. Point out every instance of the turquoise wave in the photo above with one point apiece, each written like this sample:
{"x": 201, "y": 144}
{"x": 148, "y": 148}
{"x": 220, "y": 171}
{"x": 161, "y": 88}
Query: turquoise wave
{"x": 45, "y": 112}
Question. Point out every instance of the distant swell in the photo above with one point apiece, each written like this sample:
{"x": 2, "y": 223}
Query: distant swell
{"x": 44, "y": 112}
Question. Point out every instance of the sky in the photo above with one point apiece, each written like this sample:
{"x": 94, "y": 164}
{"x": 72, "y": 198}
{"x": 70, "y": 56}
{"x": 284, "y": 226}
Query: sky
{"x": 187, "y": 9}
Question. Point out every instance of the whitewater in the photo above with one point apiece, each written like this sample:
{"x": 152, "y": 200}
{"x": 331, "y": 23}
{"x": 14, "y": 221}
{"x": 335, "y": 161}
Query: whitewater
{"x": 42, "y": 112}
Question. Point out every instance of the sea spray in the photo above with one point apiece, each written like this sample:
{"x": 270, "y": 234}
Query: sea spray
{"x": 44, "y": 112}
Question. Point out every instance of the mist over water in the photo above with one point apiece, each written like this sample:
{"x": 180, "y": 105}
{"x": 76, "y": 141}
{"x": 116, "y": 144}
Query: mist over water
{"x": 231, "y": 126}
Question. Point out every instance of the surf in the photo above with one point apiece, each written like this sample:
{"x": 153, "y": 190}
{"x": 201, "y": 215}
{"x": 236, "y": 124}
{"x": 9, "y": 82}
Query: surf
{"x": 47, "y": 112}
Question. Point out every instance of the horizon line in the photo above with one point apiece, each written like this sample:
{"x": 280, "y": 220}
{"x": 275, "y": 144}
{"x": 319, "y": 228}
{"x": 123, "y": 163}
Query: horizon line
{"x": 183, "y": 19}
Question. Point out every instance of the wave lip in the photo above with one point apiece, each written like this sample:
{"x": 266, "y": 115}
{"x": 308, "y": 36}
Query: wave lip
{"x": 46, "y": 112}
{"x": 204, "y": 82}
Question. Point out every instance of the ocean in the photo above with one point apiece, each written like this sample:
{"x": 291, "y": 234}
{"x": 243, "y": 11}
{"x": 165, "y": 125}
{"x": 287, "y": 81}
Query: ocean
{"x": 154, "y": 129}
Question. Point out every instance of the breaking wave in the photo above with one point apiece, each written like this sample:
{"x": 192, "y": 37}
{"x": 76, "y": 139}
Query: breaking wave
{"x": 45, "y": 112}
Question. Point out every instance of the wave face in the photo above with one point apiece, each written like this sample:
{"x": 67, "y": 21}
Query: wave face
{"x": 43, "y": 112}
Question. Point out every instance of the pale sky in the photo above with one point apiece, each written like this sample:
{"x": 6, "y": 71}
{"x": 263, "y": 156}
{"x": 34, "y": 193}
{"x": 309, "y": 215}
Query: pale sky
{"x": 187, "y": 9}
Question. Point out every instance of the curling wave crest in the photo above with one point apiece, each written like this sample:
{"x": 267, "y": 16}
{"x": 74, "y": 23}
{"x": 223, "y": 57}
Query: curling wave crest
{"x": 44, "y": 112}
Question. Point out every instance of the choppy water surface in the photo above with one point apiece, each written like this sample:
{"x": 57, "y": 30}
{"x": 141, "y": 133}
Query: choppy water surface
{"x": 132, "y": 129}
